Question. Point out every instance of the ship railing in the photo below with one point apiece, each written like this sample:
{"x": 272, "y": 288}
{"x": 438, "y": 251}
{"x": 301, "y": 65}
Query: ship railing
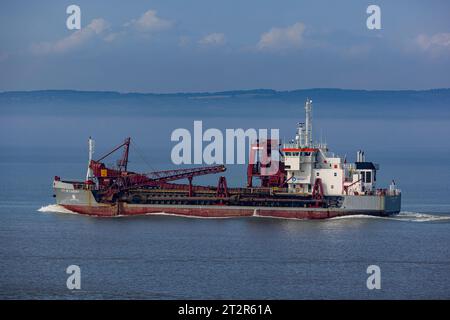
{"x": 259, "y": 190}
{"x": 290, "y": 145}
{"x": 294, "y": 145}
{"x": 394, "y": 192}
{"x": 77, "y": 185}
{"x": 349, "y": 166}
{"x": 320, "y": 145}
{"x": 388, "y": 192}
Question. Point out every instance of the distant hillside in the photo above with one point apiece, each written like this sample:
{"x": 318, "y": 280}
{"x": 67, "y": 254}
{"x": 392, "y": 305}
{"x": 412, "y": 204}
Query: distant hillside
{"x": 328, "y": 102}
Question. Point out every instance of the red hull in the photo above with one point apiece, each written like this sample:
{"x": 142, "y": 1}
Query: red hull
{"x": 208, "y": 212}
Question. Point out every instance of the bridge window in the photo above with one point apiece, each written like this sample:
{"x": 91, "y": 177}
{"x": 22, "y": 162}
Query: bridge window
{"x": 369, "y": 176}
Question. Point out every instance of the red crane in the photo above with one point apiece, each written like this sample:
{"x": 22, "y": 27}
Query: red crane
{"x": 157, "y": 178}
{"x": 113, "y": 181}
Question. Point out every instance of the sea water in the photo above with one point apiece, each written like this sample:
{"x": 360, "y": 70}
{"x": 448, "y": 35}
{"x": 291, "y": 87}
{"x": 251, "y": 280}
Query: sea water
{"x": 166, "y": 257}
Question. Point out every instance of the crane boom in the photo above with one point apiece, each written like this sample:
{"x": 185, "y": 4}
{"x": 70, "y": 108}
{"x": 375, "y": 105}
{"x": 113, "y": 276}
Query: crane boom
{"x": 158, "y": 177}
{"x": 111, "y": 181}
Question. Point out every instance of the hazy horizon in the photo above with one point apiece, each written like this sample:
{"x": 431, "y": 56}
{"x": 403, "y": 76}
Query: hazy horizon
{"x": 226, "y": 91}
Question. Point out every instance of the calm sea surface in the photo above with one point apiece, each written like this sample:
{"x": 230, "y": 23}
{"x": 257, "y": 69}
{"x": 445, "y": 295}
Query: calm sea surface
{"x": 162, "y": 257}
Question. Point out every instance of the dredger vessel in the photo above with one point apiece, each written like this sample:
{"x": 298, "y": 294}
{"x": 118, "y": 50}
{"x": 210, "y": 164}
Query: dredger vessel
{"x": 308, "y": 182}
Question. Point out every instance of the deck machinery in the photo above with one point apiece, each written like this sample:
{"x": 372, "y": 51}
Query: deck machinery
{"x": 308, "y": 182}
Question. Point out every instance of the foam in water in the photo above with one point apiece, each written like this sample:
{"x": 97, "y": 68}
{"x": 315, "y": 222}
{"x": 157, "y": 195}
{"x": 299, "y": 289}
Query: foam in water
{"x": 55, "y": 208}
{"x": 188, "y": 216}
{"x": 402, "y": 216}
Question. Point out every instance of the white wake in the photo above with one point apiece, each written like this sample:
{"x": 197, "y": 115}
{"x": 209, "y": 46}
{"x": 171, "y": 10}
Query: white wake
{"x": 402, "y": 216}
{"x": 55, "y": 208}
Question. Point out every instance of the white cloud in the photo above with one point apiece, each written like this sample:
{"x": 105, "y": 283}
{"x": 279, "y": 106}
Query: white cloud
{"x": 213, "y": 39}
{"x": 150, "y": 22}
{"x": 99, "y": 28}
{"x": 282, "y": 38}
{"x": 75, "y": 39}
{"x": 436, "y": 41}
{"x": 147, "y": 23}
{"x": 113, "y": 36}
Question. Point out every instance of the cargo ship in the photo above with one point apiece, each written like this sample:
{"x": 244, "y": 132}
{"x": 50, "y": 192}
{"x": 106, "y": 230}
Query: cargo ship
{"x": 309, "y": 182}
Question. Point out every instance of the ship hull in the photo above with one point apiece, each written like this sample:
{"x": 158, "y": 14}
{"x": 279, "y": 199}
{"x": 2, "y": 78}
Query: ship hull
{"x": 124, "y": 209}
{"x": 84, "y": 202}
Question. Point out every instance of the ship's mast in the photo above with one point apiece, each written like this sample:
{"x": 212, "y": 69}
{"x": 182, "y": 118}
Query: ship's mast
{"x": 89, "y": 173}
{"x": 308, "y": 123}
{"x": 300, "y": 135}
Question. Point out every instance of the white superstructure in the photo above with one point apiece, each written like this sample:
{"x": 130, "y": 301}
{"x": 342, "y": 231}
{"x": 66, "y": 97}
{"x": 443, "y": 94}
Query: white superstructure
{"x": 308, "y": 163}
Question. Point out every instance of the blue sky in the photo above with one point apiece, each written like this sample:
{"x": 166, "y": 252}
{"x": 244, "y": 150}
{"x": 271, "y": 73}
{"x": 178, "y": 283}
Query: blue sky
{"x": 209, "y": 45}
